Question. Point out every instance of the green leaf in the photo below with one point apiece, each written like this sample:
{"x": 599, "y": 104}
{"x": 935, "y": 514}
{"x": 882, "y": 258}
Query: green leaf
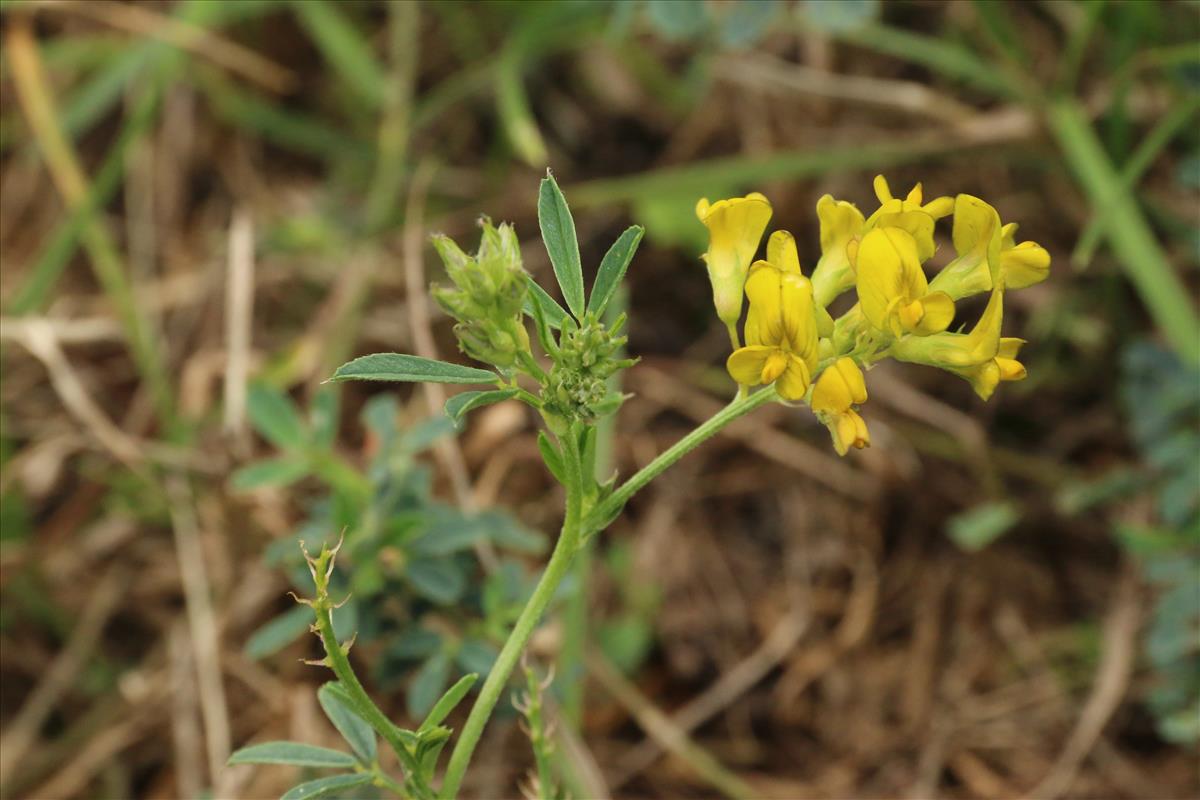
{"x": 325, "y": 786}
{"x": 458, "y": 405}
{"x": 278, "y": 633}
{"x": 269, "y": 472}
{"x": 438, "y": 580}
{"x": 353, "y": 728}
{"x": 448, "y": 701}
{"x": 406, "y": 368}
{"x": 558, "y": 232}
{"x": 747, "y": 22}
{"x": 275, "y": 416}
{"x": 613, "y": 267}
{"x": 324, "y": 415}
{"x": 477, "y": 655}
{"x": 677, "y": 21}
{"x": 978, "y": 527}
{"x": 539, "y": 300}
{"x": 295, "y": 753}
{"x": 840, "y": 16}
{"x": 427, "y": 685}
{"x": 551, "y": 457}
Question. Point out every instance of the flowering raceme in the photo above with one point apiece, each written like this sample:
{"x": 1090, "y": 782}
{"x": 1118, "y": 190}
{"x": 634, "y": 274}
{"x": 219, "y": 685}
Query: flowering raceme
{"x": 792, "y": 342}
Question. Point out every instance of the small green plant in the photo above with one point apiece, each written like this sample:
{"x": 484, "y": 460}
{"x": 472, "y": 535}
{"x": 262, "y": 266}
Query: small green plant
{"x": 789, "y": 350}
{"x": 410, "y": 574}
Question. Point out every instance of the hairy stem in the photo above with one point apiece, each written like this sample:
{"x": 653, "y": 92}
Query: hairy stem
{"x": 363, "y": 705}
{"x": 602, "y": 513}
{"x": 497, "y": 679}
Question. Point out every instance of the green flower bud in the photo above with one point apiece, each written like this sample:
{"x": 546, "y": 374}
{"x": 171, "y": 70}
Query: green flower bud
{"x": 487, "y": 295}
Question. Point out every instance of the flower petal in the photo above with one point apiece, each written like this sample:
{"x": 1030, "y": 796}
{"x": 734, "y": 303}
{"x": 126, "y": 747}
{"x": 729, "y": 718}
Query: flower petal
{"x": 792, "y": 385}
{"x": 939, "y": 313}
{"x": 746, "y": 364}
{"x": 781, "y": 252}
{"x": 1024, "y": 265}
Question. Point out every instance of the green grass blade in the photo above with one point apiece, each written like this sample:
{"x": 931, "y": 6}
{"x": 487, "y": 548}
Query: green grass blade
{"x": 1128, "y": 233}
{"x": 1133, "y": 170}
{"x": 345, "y": 48}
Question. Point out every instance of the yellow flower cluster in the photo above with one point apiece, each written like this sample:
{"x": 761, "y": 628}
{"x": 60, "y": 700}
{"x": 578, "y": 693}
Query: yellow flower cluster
{"x": 792, "y": 342}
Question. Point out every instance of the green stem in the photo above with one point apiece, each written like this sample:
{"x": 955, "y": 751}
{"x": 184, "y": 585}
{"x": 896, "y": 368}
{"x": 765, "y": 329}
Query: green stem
{"x": 363, "y": 705}
{"x": 606, "y": 510}
{"x": 497, "y": 679}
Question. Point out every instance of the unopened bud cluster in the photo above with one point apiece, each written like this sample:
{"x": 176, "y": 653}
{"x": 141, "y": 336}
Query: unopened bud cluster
{"x": 588, "y": 355}
{"x": 487, "y": 296}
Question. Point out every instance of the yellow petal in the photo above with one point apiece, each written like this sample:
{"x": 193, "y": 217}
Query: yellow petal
{"x": 916, "y": 222}
{"x": 781, "y": 252}
{"x": 849, "y": 430}
{"x": 773, "y": 367}
{"x": 976, "y": 236}
{"x": 840, "y": 222}
{"x": 735, "y": 227}
{"x": 764, "y": 287}
{"x": 792, "y": 384}
{"x": 840, "y": 386}
{"x": 1010, "y": 369}
{"x": 1010, "y": 347}
{"x": 746, "y": 364}
{"x": 915, "y": 195}
{"x": 1008, "y": 236}
{"x": 1024, "y": 265}
{"x": 796, "y": 308}
{"x": 939, "y": 207}
{"x": 938, "y": 313}
{"x": 888, "y": 271}
{"x": 957, "y": 350}
{"x": 881, "y": 189}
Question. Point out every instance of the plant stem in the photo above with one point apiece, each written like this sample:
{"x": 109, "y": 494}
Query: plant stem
{"x": 560, "y": 561}
{"x": 497, "y": 679}
{"x": 605, "y": 511}
{"x": 363, "y": 705}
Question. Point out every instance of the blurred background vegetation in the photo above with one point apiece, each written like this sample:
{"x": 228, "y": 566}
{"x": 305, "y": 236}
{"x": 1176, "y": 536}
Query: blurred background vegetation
{"x": 207, "y": 205}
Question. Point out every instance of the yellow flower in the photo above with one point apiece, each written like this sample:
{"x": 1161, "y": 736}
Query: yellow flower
{"x": 837, "y": 390}
{"x": 1023, "y": 264}
{"x": 1004, "y": 367}
{"x": 735, "y": 227}
{"x": 781, "y": 332}
{"x": 911, "y": 214}
{"x": 986, "y": 249}
{"x": 782, "y": 254}
{"x": 841, "y": 224}
{"x": 958, "y": 350}
{"x": 892, "y": 291}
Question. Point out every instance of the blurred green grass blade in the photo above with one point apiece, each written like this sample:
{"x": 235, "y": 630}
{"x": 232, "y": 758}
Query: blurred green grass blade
{"x": 516, "y": 116}
{"x": 74, "y": 187}
{"x": 998, "y": 25}
{"x": 344, "y": 47}
{"x": 1133, "y": 170}
{"x": 700, "y": 177}
{"x": 288, "y": 129}
{"x": 1128, "y": 233}
{"x": 50, "y": 263}
{"x": 404, "y": 20}
{"x": 948, "y": 58}
{"x": 1076, "y": 46}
